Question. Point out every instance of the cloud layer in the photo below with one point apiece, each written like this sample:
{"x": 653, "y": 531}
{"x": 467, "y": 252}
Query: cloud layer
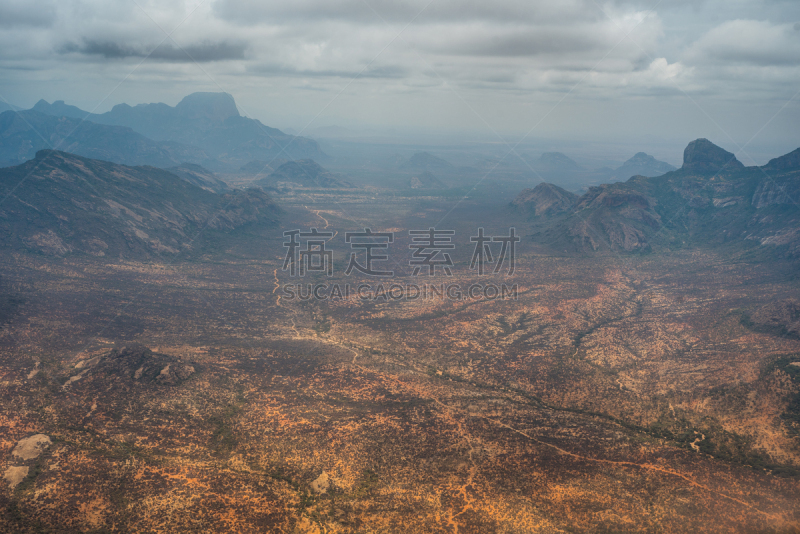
{"x": 406, "y": 56}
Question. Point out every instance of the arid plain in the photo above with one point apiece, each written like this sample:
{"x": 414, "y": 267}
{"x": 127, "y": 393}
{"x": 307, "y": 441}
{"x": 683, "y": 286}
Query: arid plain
{"x": 618, "y": 392}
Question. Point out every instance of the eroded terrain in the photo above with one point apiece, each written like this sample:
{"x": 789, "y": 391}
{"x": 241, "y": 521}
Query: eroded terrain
{"x": 629, "y": 393}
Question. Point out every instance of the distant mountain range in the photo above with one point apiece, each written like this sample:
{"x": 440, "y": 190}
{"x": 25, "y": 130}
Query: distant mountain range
{"x": 24, "y": 133}
{"x": 712, "y": 199}
{"x": 546, "y": 200}
{"x": 640, "y": 164}
{"x": 423, "y": 161}
{"x": 204, "y": 128}
{"x": 558, "y": 168}
{"x": 262, "y": 168}
{"x": 7, "y": 107}
{"x": 305, "y": 173}
{"x": 556, "y": 162}
{"x": 60, "y": 203}
{"x": 552, "y": 167}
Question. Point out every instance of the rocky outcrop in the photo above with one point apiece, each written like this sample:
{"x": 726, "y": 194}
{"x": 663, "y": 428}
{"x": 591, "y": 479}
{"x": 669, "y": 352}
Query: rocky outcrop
{"x": 25, "y": 451}
{"x": 613, "y": 216}
{"x": 212, "y": 107}
{"x": 770, "y": 193}
{"x": 702, "y": 156}
{"x": 781, "y": 318}
{"x": 545, "y": 200}
{"x": 132, "y": 365}
{"x": 31, "y": 447}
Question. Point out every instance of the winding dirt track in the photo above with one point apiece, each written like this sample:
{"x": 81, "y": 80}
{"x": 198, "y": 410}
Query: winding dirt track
{"x": 327, "y": 224}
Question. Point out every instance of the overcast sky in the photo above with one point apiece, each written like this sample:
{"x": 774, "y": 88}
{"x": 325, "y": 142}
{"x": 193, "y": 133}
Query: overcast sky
{"x": 587, "y": 70}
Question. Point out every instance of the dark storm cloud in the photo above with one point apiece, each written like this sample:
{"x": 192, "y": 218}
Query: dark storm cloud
{"x": 203, "y": 52}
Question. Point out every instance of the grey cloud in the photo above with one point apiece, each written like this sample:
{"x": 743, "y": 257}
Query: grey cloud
{"x": 14, "y": 13}
{"x": 529, "y": 42}
{"x": 202, "y": 52}
{"x": 394, "y": 11}
{"x": 383, "y": 72}
{"x": 750, "y": 42}
{"x": 106, "y": 49}
{"x": 499, "y": 78}
{"x": 759, "y": 57}
{"x": 507, "y": 55}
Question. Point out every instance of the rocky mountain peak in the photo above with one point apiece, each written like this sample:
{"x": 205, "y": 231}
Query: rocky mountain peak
{"x": 545, "y": 200}
{"x": 641, "y": 157}
{"x": 557, "y": 160}
{"x": 213, "y": 106}
{"x": 787, "y": 161}
{"x": 703, "y": 156}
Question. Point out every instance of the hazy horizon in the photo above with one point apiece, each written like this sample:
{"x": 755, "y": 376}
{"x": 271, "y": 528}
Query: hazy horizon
{"x": 625, "y": 74}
